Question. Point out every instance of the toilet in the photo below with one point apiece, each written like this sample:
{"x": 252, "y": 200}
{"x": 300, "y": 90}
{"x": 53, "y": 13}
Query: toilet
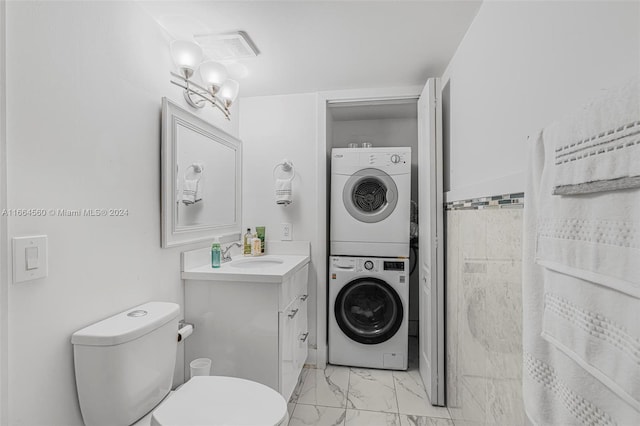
{"x": 124, "y": 371}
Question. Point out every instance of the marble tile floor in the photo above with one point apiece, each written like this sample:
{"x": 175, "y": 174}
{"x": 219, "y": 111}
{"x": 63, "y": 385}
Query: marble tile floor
{"x": 350, "y": 396}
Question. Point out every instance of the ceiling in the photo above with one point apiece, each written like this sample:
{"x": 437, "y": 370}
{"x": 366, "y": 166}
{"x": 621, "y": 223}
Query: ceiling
{"x": 309, "y": 46}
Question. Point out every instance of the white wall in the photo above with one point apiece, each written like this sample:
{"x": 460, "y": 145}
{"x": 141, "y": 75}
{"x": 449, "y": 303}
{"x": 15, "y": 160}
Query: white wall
{"x": 521, "y": 66}
{"x": 84, "y": 88}
{"x": 273, "y": 128}
{"x": 4, "y": 275}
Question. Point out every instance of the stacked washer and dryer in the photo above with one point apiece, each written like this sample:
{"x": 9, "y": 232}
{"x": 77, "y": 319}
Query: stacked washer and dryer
{"x": 369, "y": 263}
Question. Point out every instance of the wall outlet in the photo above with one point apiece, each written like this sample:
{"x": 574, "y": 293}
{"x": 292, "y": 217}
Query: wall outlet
{"x": 285, "y": 231}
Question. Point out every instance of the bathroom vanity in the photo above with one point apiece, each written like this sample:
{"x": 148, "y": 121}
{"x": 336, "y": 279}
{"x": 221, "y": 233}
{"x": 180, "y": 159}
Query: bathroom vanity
{"x": 250, "y": 316}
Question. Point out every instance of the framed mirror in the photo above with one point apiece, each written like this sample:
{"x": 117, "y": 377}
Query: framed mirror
{"x": 201, "y": 179}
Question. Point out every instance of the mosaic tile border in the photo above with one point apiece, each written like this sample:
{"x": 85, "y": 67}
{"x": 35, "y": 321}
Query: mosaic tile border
{"x": 506, "y": 201}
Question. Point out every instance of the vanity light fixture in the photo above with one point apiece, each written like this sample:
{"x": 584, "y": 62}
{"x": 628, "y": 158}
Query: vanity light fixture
{"x": 216, "y": 89}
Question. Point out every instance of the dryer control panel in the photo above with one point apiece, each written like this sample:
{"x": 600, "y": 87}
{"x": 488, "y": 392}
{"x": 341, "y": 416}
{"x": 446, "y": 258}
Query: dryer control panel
{"x": 394, "y": 160}
{"x": 385, "y": 159}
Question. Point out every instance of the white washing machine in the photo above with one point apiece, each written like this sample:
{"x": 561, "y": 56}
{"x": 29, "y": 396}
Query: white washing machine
{"x": 369, "y": 312}
{"x": 370, "y": 201}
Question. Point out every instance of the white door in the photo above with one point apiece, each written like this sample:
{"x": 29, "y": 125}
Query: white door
{"x": 431, "y": 256}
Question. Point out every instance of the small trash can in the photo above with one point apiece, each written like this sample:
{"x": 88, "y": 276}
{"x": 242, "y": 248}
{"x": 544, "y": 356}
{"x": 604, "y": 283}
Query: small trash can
{"x": 200, "y": 367}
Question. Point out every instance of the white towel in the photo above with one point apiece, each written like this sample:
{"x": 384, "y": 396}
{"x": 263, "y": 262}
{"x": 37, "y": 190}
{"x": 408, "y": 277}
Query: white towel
{"x": 192, "y": 190}
{"x": 598, "y": 328}
{"x": 283, "y": 191}
{"x": 596, "y": 236}
{"x": 569, "y": 379}
{"x": 597, "y": 239}
{"x": 599, "y": 148}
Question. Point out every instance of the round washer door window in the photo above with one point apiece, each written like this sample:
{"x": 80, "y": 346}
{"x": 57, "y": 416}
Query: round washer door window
{"x": 368, "y": 311}
{"x": 370, "y": 195}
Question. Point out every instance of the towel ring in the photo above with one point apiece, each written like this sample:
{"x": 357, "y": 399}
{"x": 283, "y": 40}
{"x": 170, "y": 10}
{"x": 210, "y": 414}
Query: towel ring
{"x": 286, "y": 167}
{"x": 197, "y": 168}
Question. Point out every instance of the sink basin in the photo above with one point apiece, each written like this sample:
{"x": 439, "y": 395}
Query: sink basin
{"x": 256, "y": 263}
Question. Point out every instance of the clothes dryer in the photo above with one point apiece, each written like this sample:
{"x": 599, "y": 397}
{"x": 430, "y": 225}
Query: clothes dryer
{"x": 370, "y": 201}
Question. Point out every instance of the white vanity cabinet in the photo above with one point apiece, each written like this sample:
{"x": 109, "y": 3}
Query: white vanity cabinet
{"x": 252, "y": 323}
{"x": 294, "y": 333}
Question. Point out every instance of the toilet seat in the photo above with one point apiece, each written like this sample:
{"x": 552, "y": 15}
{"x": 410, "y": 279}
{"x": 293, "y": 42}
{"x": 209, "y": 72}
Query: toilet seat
{"x": 218, "y": 400}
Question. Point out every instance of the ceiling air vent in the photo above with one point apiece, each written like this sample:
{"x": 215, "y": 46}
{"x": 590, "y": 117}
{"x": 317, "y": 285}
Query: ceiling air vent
{"x": 229, "y": 46}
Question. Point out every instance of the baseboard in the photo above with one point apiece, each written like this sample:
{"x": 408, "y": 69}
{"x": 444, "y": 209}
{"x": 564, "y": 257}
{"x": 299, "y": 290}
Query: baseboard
{"x": 312, "y": 358}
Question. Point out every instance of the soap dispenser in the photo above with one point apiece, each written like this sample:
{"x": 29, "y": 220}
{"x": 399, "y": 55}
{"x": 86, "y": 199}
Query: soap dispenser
{"x": 215, "y": 253}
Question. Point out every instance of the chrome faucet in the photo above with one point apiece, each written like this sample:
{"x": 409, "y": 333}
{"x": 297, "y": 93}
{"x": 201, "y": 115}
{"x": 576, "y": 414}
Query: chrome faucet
{"x": 227, "y": 257}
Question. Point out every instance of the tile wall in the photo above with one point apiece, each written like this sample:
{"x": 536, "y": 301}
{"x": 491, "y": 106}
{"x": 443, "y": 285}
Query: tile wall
{"x": 484, "y": 311}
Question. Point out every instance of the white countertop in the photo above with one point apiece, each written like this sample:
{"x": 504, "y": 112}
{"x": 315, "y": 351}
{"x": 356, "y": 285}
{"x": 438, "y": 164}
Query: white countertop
{"x": 275, "y": 273}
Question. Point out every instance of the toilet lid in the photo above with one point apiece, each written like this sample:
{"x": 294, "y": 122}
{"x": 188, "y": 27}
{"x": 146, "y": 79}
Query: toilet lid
{"x": 218, "y": 400}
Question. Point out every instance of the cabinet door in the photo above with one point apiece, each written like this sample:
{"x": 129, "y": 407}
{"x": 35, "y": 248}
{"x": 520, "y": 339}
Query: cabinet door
{"x": 288, "y": 348}
{"x": 302, "y": 326}
{"x": 302, "y": 335}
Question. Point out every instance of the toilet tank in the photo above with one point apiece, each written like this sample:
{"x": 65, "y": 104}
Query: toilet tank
{"x": 124, "y": 364}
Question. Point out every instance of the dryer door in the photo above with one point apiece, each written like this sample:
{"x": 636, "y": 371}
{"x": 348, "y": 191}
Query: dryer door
{"x": 370, "y": 195}
{"x": 368, "y": 310}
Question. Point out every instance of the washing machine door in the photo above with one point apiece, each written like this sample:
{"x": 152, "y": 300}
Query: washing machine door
{"x": 370, "y": 195}
{"x": 368, "y": 310}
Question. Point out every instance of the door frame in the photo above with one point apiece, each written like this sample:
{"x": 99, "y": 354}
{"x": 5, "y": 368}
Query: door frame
{"x": 319, "y": 355}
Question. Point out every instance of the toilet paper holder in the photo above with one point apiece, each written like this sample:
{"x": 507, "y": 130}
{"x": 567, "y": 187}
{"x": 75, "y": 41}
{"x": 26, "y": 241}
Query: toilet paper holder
{"x": 184, "y": 330}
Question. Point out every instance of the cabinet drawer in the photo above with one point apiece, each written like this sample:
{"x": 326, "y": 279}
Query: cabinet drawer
{"x": 294, "y": 287}
{"x": 300, "y": 282}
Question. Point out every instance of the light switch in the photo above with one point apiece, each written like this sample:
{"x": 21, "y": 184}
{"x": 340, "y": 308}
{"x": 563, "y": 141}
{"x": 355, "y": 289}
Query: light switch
{"x": 29, "y": 258}
{"x": 32, "y": 258}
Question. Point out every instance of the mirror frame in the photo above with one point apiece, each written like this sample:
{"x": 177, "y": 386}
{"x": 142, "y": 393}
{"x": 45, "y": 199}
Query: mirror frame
{"x": 172, "y": 115}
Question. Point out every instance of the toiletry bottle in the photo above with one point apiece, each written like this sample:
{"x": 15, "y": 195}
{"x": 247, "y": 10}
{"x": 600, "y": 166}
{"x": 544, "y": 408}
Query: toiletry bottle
{"x": 215, "y": 253}
{"x": 256, "y": 246}
{"x": 260, "y": 233}
{"x": 247, "y": 242}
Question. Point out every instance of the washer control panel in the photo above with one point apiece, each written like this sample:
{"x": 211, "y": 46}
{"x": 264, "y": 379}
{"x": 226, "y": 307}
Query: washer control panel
{"x": 393, "y": 265}
{"x": 367, "y": 264}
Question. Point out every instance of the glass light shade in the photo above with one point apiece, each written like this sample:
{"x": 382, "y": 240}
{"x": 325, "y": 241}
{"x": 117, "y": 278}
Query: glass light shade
{"x": 186, "y": 55}
{"x": 213, "y": 74}
{"x": 229, "y": 91}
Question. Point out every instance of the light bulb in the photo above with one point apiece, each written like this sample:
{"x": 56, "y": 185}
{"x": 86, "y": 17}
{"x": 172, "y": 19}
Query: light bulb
{"x": 229, "y": 91}
{"x": 186, "y": 55}
{"x": 213, "y": 75}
